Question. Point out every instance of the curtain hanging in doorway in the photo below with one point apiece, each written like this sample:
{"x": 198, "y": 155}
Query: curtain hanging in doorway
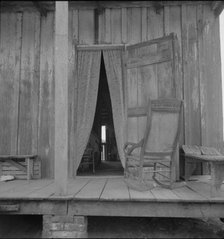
{"x": 87, "y": 89}
{"x": 113, "y": 59}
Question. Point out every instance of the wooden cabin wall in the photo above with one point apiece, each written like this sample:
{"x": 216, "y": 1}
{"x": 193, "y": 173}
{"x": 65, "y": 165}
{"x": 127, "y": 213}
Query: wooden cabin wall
{"x": 27, "y": 70}
{"x": 27, "y": 86}
{"x": 197, "y": 30}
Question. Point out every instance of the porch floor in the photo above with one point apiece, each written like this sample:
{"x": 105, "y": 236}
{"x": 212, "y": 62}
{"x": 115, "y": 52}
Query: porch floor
{"x": 110, "y": 196}
{"x": 108, "y": 188}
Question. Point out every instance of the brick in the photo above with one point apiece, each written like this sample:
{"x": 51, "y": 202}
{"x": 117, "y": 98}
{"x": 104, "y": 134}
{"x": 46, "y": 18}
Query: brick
{"x": 75, "y": 227}
{"x": 64, "y": 234}
{"x": 57, "y": 226}
{"x": 62, "y": 219}
{"x": 47, "y": 218}
{"x": 46, "y": 234}
{"x": 80, "y": 220}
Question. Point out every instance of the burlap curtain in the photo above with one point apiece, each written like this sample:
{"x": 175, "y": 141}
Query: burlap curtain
{"x": 113, "y": 59}
{"x": 88, "y": 69}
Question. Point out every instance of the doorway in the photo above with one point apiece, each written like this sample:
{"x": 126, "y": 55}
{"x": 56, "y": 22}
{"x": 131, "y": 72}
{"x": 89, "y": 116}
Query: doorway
{"x": 102, "y": 137}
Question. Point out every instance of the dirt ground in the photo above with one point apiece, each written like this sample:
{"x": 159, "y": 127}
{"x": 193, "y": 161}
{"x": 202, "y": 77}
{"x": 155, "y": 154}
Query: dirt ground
{"x": 120, "y": 227}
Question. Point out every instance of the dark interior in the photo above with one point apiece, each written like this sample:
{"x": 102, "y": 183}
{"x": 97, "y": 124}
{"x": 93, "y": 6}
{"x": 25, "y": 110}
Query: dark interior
{"x": 109, "y": 164}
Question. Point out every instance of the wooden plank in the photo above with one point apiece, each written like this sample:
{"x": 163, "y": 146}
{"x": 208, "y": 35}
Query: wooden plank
{"x": 107, "y": 26}
{"x": 173, "y": 25}
{"x": 144, "y": 24}
{"x": 191, "y": 83}
{"x": 201, "y": 188}
{"x": 140, "y": 196}
{"x": 146, "y": 209}
{"x": 155, "y": 24}
{"x": 46, "y": 97}
{"x": 21, "y": 191}
{"x": 187, "y": 194}
{"x": 86, "y": 27}
{"x": 76, "y": 185}
{"x": 17, "y": 165}
{"x": 61, "y": 98}
{"x": 211, "y": 91}
{"x": 127, "y": 4}
{"x": 10, "y": 47}
{"x": 134, "y": 25}
{"x": 115, "y": 189}
{"x": 43, "y": 192}
{"x": 29, "y": 84}
{"x": 191, "y": 149}
{"x": 116, "y": 24}
{"x": 102, "y": 28}
{"x": 10, "y": 185}
{"x": 9, "y": 207}
{"x": 133, "y": 36}
{"x": 166, "y": 85}
{"x": 124, "y": 25}
{"x": 92, "y": 190}
{"x": 163, "y": 194}
{"x": 72, "y": 86}
{"x": 204, "y": 188}
{"x": 209, "y": 151}
{"x": 149, "y": 60}
{"x": 137, "y": 111}
{"x": 192, "y": 112}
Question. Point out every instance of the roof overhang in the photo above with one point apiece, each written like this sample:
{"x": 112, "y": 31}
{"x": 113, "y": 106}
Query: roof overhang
{"x": 44, "y": 6}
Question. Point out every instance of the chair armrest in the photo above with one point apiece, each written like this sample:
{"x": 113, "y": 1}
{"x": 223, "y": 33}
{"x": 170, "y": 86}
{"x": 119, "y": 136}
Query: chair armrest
{"x": 129, "y": 147}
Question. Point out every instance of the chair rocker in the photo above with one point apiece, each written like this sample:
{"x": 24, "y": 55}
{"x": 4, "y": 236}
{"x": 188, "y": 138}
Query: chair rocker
{"x": 152, "y": 158}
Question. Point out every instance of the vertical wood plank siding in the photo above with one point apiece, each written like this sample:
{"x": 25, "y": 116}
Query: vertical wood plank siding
{"x": 27, "y": 77}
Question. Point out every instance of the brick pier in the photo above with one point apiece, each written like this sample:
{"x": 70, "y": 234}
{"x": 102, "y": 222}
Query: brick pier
{"x": 65, "y": 226}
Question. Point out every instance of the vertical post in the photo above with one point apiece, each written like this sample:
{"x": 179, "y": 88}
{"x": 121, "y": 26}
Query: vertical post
{"x": 61, "y": 97}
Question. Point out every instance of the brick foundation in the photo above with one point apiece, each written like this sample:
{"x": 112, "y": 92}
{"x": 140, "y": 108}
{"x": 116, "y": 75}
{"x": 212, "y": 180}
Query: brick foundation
{"x": 64, "y": 226}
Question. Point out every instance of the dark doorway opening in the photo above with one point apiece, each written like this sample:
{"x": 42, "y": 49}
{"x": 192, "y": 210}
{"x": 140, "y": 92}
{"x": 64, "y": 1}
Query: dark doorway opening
{"x": 102, "y": 138}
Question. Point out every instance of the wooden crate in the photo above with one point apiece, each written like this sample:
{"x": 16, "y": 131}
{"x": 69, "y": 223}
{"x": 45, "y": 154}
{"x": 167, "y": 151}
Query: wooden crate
{"x": 9, "y": 169}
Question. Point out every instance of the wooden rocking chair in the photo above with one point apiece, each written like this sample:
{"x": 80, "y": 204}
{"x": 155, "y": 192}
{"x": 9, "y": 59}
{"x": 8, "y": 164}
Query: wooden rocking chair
{"x": 155, "y": 159}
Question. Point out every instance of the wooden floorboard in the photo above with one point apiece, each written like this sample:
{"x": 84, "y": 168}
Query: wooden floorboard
{"x": 137, "y": 195}
{"x": 44, "y": 192}
{"x": 22, "y": 190}
{"x": 92, "y": 190}
{"x": 115, "y": 189}
{"x": 77, "y": 185}
{"x": 6, "y": 186}
{"x": 204, "y": 189}
{"x": 107, "y": 188}
{"x": 163, "y": 194}
{"x": 187, "y": 194}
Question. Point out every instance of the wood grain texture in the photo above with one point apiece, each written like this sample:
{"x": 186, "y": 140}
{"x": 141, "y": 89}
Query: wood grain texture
{"x": 46, "y": 97}
{"x": 61, "y": 98}
{"x": 87, "y": 192}
{"x": 29, "y": 84}
{"x": 191, "y": 82}
{"x": 210, "y": 93}
{"x": 72, "y": 85}
{"x": 115, "y": 189}
{"x": 116, "y": 26}
{"x": 134, "y": 20}
{"x": 86, "y": 27}
{"x": 10, "y": 47}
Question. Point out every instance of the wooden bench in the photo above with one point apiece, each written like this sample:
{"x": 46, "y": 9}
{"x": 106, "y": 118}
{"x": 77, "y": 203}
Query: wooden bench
{"x": 16, "y": 160}
{"x": 200, "y": 154}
